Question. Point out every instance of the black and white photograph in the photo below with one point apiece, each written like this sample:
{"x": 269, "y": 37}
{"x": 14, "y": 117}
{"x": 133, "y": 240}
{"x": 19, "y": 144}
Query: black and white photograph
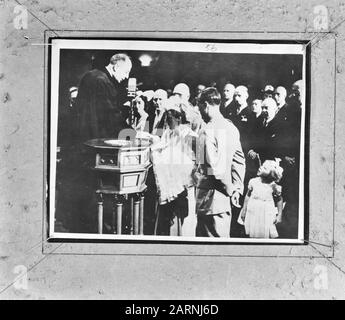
{"x": 177, "y": 140}
{"x": 179, "y": 157}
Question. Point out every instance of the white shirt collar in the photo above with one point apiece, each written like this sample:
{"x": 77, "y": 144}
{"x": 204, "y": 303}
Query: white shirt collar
{"x": 242, "y": 107}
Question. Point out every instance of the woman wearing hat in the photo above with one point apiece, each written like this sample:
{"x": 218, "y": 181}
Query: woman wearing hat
{"x": 173, "y": 164}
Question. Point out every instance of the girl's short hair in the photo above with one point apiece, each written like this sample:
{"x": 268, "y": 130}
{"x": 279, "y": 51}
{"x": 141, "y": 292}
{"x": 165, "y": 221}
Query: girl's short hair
{"x": 275, "y": 170}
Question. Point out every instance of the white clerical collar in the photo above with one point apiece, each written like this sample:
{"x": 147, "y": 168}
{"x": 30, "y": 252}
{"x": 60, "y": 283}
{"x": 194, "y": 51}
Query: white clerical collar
{"x": 110, "y": 70}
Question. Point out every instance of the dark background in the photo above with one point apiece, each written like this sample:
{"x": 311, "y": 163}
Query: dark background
{"x": 170, "y": 68}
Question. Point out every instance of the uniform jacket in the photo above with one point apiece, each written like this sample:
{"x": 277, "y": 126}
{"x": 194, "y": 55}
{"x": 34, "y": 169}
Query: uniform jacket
{"x": 221, "y": 166}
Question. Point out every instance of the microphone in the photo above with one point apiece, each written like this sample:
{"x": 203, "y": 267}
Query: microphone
{"x": 132, "y": 87}
{"x": 131, "y": 94}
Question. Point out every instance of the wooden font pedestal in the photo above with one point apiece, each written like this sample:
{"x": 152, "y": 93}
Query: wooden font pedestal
{"x": 136, "y": 201}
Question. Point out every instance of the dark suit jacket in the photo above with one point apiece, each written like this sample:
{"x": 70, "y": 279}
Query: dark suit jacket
{"x": 294, "y": 129}
{"x": 244, "y": 122}
{"x": 270, "y": 141}
{"x": 226, "y": 111}
{"x": 290, "y": 117}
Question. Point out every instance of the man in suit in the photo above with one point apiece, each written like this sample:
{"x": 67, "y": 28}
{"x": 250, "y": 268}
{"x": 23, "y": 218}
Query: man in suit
{"x": 294, "y": 111}
{"x": 290, "y": 115}
{"x": 242, "y": 116}
{"x": 280, "y": 97}
{"x": 159, "y": 100}
{"x": 291, "y": 164}
{"x": 269, "y": 134}
{"x": 221, "y": 169}
{"x": 227, "y": 101}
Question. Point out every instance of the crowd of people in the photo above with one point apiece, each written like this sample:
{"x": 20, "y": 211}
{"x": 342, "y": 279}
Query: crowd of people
{"x": 225, "y": 164}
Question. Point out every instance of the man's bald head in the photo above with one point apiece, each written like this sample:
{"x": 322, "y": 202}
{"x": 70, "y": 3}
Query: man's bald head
{"x": 159, "y": 98}
{"x": 241, "y": 95}
{"x": 119, "y": 57}
{"x": 299, "y": 85}
{"x": 297, "y": 91}
{"x": 121, "y": 66}
{"x": 280, "y": 96}
{"x": 228, "y": 91}
{"x": 241, "y": 89}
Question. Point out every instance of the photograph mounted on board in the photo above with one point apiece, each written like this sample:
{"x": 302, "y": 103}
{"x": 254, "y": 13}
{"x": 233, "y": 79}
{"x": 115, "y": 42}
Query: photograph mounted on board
{"x": 193, "y": 141}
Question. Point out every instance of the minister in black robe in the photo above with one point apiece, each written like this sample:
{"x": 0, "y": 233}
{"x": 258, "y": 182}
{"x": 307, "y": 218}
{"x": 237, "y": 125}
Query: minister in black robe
{"x": 99, "y": 109}
{"x": 100, "y": 101}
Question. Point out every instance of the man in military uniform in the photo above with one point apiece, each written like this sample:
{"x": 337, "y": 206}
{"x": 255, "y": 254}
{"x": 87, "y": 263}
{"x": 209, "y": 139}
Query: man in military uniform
{"x": 221, "y": 169}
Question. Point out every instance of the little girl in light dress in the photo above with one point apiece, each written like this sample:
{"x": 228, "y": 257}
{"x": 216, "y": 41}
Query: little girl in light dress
{"x": 263, "y": 204}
